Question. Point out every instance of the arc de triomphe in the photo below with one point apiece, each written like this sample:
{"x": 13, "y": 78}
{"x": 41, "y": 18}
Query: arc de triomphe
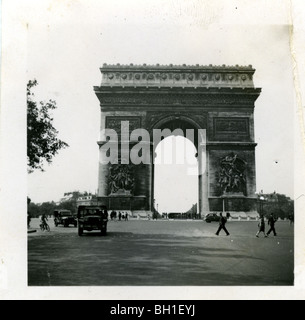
{"x": 218, "y": 100}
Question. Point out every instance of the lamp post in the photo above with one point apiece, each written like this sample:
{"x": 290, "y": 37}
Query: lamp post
{"x": 223, "y": 203}
{"x": 262, "y": 199}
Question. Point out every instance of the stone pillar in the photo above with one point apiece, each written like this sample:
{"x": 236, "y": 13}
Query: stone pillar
{"x": 203, "y": 180}
{"x": 103, "y": 173}
{"x": 151, "y": 182}
{"x": 103, "y": 168}
{"x": 143, "y": 176}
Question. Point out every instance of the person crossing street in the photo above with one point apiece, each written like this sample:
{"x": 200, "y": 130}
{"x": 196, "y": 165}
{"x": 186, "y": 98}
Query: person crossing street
{"x": 261, "y": 226}
{"x": 222, "y": 225}
{"x": 271, "y": 222}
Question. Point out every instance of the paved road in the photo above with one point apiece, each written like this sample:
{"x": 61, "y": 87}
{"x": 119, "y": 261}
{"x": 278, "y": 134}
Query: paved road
{"x": 161, "y": 253}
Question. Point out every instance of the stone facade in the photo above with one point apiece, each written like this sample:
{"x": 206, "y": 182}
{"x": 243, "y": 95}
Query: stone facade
{"x": 219, "y": 99}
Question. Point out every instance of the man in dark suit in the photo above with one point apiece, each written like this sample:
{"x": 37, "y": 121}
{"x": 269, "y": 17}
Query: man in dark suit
{"x": 271, "y": 222}
{"x": 222, "y": 225}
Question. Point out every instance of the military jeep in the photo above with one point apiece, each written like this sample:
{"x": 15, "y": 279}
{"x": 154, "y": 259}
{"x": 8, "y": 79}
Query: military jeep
{"x": 92, "y": 218}
{"x": 64, "y": 217}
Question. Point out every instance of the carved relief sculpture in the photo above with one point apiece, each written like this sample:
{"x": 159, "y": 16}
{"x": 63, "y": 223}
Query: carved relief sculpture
{"x": 116, "y": 122}
{"x": 231, "y": 176}
{"x": 121, "y": 179}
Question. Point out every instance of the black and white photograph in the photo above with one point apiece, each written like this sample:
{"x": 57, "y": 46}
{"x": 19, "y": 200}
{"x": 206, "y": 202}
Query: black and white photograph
{"x": 152, "y": 150}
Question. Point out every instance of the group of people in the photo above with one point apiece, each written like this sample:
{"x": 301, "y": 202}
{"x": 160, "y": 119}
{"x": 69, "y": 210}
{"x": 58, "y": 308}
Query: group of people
{"x": 261, "y": 225}
{"x": 121, "y": 215}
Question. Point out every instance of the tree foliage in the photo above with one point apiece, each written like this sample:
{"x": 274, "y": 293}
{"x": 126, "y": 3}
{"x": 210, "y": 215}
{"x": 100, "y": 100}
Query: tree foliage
{"x": 278, "y": 204}
{"x": 42, "y": 141}
{"x": 36, "y": 210}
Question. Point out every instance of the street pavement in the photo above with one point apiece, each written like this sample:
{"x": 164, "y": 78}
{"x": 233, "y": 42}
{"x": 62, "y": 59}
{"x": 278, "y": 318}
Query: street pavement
{"x": 161, "y": 253}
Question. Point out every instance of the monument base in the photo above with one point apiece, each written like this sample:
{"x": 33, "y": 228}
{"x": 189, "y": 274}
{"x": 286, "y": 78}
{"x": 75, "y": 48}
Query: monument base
{"x": 124, "y": 202}
{"x": 233, "y": 203}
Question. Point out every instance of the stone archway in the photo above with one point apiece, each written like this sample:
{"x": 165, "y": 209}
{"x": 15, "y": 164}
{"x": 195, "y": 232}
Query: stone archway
{"x": 216, "y": 99}
{"x": 198, "y": 138}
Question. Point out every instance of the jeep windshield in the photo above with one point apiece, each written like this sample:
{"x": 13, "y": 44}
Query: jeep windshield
{"x": 92, "y": 212}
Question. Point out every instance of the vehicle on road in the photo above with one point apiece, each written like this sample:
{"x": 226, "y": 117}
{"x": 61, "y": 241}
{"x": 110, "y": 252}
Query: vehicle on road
{"x": 212, "y": 217}
{"x": 92, "y": 218}
{"x": 64, "y": 217}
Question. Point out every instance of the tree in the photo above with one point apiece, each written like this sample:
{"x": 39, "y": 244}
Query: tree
{"x": 42, "y": 141}
{"x": 191, "y": 213}
{"x": 34, "y": 210}
{"x": 48, "y": 208}
{"x": 37, "y": 210}
{"x": 278, "y": 204}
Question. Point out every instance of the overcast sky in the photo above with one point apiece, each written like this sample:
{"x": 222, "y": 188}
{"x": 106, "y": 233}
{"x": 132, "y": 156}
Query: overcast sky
{"x": 68, "y": 42}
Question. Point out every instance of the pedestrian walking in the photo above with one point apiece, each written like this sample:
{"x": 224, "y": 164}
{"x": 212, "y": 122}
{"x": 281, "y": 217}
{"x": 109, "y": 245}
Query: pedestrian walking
{"x": 120, "y": 216}
{"x": 126, "y": 216}
{"x": 261, "y": 226}
{"x": 222, "y": 225}
{"x": 271, "y": 222}
{"x": 29, "y": 219}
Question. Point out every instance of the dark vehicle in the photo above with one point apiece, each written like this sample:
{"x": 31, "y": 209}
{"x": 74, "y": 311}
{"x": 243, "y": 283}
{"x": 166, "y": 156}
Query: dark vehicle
{"x": 174, "y": 215}
{"x": 64, "y": 217}
{"x": 92, "y": 218}
{"x": 212, "y": 217}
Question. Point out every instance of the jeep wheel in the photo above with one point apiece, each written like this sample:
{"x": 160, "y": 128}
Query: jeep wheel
{"x": 80, "y": 231}
{"x": 103, "y": 231}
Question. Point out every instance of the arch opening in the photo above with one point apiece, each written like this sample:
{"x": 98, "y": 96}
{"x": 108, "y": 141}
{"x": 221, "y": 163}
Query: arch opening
{"x": 176, "y": 177}
{"x": 178, "y": 126}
